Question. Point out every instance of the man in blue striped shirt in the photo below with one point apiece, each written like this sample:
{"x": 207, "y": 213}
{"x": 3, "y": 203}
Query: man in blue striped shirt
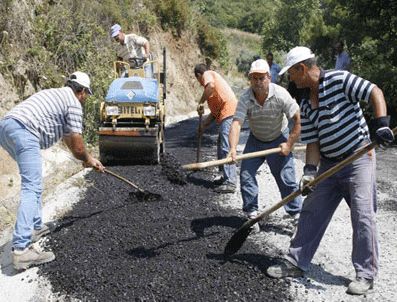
{"x": 37, "y": 123}
{"x": 333, "y": 126}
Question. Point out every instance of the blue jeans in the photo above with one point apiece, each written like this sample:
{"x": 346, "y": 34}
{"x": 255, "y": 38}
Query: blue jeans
{"x": 281, "y": 167}
{"x": 24, "y": 148}
{"x": 229, "y": 171}
{"x": 356, "y": 184}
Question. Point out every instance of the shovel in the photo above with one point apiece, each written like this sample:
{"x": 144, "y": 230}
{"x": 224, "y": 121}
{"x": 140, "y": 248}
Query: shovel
{"x": 141, "y": 195}
{"x": 228, "y": 160}
{"x": 200, "y": 129}
{"x": 239, "y": 237}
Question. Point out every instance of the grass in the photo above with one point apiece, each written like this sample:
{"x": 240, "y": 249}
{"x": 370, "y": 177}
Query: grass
{"x": 241, "y": 44}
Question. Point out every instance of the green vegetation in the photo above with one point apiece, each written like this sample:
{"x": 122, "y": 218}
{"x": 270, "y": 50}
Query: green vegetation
{"x": 212, "y": 43}
{"x": 248, "y": 15}
{"x": 173, "y": 14}
{"x": 59, "y": 37}
{"x": 367, "y": 27}
{"x": 243, "y": 47}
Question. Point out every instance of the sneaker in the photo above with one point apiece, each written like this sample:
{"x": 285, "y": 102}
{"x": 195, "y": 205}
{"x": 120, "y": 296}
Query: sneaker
{"x": 30, "y": 256}
{"x": 226, "y": 188}
{"x": 219, "y": 180}
{"x": 295, "y": 219}
{"x": 284, "y": 269}
{"x": 37, "y": 234}
{"x": 360, "y": 286}
{"x": 255, "y": 228}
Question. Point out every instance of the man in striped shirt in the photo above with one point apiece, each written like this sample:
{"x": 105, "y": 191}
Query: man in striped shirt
{"x": 268, "y": 108}
{"x": 34, "y": 124}
{"x": 333, "y": 126}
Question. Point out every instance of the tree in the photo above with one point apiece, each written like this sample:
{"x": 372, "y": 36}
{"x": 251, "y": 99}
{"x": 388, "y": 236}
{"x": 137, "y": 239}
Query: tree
{"x": 369, "y": 28}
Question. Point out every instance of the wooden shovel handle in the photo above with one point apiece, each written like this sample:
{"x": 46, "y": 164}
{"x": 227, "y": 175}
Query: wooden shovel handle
{"x": 228, "y": 160}
{"x": 124, "y": 179}
{"x": 199, "y": 139}
{"x": 318, "y": 179}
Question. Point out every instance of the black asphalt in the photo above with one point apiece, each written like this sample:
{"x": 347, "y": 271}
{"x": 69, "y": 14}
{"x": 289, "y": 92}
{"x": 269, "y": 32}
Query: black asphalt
{"x": 114, "y": 247}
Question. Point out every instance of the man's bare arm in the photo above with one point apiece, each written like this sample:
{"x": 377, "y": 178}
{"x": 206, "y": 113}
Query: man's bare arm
{"x": 76, "y": 145}
{"x": 234, "y": 136}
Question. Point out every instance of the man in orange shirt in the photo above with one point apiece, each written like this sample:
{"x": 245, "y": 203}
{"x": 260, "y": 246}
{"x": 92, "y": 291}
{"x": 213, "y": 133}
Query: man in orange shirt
{"x": 222, "y": 103}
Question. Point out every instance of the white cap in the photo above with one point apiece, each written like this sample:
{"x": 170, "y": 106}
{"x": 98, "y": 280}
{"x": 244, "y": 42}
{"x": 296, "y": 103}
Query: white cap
{"x": 296, "y": 55}
{"x": 115, "y": 30}
{"x": 82, "y": 79}
{"x": 259, "y": 66}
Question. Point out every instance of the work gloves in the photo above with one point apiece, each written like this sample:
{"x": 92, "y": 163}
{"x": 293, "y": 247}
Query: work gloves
{"x": 383, "y": 134}
{"x": 309, "y": 173}
{"x": 200, "y": 109}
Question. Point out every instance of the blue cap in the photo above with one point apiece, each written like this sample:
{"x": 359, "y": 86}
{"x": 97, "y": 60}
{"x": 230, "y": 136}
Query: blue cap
{"x": 115, "y": 30}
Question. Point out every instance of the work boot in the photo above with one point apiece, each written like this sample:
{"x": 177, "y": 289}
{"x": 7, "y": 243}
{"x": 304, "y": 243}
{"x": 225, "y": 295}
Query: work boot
{"x": 360, "y": 286}
{"x": 30, "y": 256}
{"x": 284, "y": 269}
{"x": 226, "y": 188}
{"x": 255, "y": 228}
{"x": 37, "y": 234}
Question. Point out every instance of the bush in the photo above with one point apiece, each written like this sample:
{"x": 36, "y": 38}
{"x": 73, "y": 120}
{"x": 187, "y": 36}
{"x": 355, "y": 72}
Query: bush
{"x": 244, "y": 61}
{"x": 212, "y": 43}
{"x": 146, "y": 20}
{"x": 173, "y": 14}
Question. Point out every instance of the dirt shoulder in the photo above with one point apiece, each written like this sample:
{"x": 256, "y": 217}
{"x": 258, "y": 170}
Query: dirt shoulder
{"x": 58, "y": 166}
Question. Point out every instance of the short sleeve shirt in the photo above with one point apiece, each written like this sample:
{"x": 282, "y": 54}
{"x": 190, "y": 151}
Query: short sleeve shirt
{"x": 343, "y": 61}
{"x": 50, "y": 114}
{"x": 338, "y": 123}
{"x": 274, "y": 70}
{"x": 267, "y": 122}
{"x": 132, "y": 48}
{"x": 222, "y": 102}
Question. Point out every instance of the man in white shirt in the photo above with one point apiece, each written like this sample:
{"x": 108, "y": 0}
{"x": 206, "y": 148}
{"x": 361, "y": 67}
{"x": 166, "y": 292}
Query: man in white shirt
{"x": 131, "y": 45}
{"x": 133, "y": 49}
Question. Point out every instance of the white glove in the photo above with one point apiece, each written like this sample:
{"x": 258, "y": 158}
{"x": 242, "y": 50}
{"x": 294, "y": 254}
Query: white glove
{"x": 309, "y": 174}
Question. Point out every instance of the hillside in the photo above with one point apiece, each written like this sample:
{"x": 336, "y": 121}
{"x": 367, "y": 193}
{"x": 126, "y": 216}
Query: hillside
{"x": 29, "y": 62}
{"x": 21, "y": 75}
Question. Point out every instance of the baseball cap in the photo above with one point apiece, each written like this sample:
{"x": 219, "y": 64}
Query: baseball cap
{"x": 82, "y": 79}
{"x": 296, "y": 55}
{"x": 115, "y": 30}
{"x": 259, "y": 66}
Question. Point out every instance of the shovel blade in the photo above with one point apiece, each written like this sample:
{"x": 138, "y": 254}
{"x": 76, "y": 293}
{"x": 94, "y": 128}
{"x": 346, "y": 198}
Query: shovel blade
{"x": 238, "y": 239}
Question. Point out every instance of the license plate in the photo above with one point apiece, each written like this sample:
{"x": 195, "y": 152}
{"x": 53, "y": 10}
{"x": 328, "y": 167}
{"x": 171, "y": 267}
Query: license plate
{"x": 112, "y": 110}
{"x": 149, "y": 111}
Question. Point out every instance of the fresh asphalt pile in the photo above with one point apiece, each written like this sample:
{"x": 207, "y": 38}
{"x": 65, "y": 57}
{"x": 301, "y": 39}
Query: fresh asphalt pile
{"x": 113, "y": 247}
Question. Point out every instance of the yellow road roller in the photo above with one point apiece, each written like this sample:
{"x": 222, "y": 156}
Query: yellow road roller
{"x": 132, "y": 116}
